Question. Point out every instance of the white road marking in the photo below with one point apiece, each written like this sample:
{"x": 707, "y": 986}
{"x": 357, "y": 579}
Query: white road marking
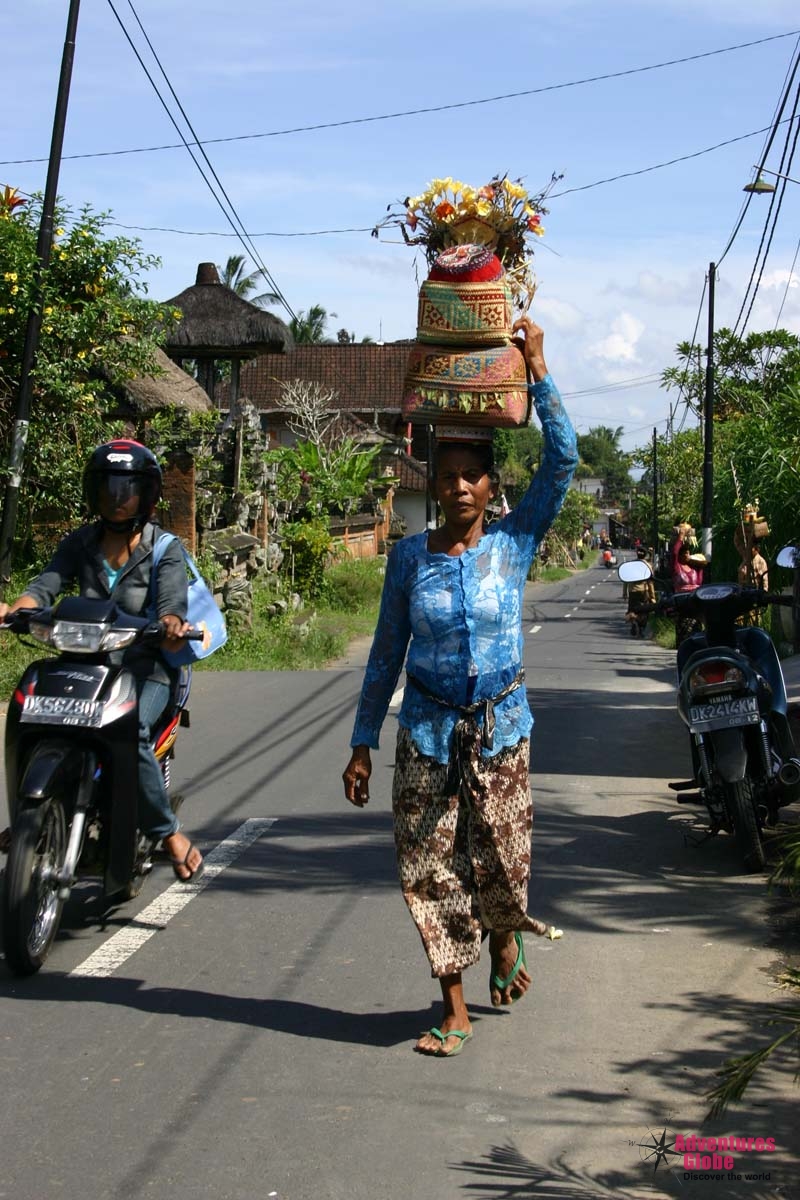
{"x": 154, "y": 918}
{"x": 397, "y": 698}
{"x": 534, "y": 629}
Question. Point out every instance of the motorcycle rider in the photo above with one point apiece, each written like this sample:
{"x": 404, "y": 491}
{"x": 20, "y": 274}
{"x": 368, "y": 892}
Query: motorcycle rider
{"x": 641, "y": 595}
{"x": 111, "y": 557}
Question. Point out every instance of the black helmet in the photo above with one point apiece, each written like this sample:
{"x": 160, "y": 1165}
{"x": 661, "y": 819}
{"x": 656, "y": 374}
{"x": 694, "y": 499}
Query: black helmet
{"x": 123, "y": 468}
{"x": 641, "y": 552}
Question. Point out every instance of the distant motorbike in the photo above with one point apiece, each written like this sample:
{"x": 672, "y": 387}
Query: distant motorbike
{"x": 72, "y": 769}
{"x": 732, "y": 699}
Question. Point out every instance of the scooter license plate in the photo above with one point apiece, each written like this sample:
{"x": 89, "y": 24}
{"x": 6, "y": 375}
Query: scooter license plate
{"x": 61, "y": 710}
{"x": 723, "y": 714}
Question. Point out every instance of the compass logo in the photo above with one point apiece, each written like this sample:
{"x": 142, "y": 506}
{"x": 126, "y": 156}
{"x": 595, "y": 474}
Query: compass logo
{"x": 657, "y": 1148}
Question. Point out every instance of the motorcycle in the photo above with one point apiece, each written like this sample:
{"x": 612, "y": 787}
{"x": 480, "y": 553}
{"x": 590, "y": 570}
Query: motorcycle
{"x": 732, "y": 699}
{"x": 72, "y": 768}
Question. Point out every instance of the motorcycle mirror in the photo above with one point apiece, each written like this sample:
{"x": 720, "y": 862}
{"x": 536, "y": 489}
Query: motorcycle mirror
{"x": 634, "y": 571}
{"x": 788, "y": 557}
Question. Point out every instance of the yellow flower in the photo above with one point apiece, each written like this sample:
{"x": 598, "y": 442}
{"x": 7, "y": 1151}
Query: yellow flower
{"x": 14, "y": 289}
{"x": 10, "y": 310}
{"x": 62, "y": 255}
{"x": 515, "y": 190}
{"x": 10, "y": 276}
{"x": 47, "y": 310}
{"x": 81, "y": 354}
{"x": 483, "y": 208}
{"x": 60, "y": 232}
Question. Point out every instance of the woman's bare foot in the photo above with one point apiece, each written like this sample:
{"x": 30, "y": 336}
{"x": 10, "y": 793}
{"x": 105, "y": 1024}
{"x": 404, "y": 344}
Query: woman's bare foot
{"x": 185, "y": 857}
{"x": 455, "y": 1017}
{"x": 504, "y": 952}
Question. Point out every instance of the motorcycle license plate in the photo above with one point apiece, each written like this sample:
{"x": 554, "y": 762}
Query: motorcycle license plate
{"x": 61, "y": 710}
{"x": 723, "y": 714}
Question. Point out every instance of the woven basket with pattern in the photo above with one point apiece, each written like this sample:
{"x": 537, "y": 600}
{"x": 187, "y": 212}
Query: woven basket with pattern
{"x": 464, "y": 314}
{"x": 483, "y": 386}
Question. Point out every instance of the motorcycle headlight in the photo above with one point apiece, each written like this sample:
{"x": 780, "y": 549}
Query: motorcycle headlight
{"x": 713, "y": 678}
{"x": 89, "y": 638}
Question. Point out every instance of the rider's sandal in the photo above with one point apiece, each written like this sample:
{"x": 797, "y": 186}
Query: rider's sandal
{"x": 184, "y": 862}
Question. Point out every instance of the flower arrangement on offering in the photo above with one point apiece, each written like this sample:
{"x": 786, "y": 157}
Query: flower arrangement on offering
{"x": 502, "y": 215}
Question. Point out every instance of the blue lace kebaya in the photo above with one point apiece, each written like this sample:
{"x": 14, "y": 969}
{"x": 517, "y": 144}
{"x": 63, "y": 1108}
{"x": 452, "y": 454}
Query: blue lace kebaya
{"x": 463, "y": 614}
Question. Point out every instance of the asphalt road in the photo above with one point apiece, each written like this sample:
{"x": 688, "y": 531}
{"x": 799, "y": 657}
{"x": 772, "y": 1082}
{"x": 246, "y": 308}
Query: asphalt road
{"x": 254, "y": 1039}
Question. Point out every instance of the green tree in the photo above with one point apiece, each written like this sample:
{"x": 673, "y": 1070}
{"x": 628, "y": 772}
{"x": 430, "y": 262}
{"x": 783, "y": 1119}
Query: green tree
{"x": 601, "y": 456}
{"x": 310, "y": 327}
{"x": 96, "y": 333}
{"x": 680, "y": 484}
{"x": 517, "y": 455}
{"x": 747, "y": 370}
{"x": 235, "y": 276}
{"x": 578, "y": 510}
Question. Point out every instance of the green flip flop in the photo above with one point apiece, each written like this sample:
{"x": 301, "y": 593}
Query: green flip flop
{"x": 442, "y": 1038}
{"x": 496, "y": 981}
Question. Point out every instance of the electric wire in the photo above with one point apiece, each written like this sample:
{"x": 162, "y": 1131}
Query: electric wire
{"x": 768, "y": 220}
{"x": 231, "y": 216}
{"x": 781, "y": 193}
{"x": 773, "y": 128}
{"x": 414, "y": 112}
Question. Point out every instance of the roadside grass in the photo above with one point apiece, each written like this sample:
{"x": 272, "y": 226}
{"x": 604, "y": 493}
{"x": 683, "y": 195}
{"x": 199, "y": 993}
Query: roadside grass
{"x": 301, "y": 640}
{"x": 311, "y": 637}
{"x": 540, "y": 574}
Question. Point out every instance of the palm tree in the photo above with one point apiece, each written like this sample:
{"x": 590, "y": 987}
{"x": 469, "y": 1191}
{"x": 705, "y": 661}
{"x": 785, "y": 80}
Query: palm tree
{"x": 309, "y": 327}
{"x": 234, "y": 276}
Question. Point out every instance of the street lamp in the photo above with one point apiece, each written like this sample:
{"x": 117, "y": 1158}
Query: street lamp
{"x": 761, "y": 186}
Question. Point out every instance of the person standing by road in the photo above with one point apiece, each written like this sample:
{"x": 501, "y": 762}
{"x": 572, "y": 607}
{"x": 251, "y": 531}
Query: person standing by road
{"x": 461, "y": 796}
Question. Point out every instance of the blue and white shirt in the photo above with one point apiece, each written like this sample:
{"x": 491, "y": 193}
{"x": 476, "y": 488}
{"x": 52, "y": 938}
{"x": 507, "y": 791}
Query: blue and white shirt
{"x": 463, "y": 614}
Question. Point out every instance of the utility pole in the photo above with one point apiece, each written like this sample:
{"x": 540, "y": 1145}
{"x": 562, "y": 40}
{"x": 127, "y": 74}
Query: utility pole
{"x": 655, "y": 498}
{"x": 44, "y": 244}
{"x": 708, "y": 425}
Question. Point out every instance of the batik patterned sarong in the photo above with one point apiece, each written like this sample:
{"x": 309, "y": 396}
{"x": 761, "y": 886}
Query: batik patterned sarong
{"x": 464, "y": 860}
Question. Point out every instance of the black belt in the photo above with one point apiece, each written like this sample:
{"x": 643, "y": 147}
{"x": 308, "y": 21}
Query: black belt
{"x": 459, "y": 752}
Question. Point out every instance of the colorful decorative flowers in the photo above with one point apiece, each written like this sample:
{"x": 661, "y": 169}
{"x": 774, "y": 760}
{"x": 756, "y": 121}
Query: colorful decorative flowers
{"x": 502, "y": 215}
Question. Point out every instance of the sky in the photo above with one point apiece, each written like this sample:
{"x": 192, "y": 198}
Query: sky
{"x": 622, "y": 266}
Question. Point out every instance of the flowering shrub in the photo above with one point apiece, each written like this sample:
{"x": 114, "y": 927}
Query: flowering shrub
{"x": 502, "y": 215}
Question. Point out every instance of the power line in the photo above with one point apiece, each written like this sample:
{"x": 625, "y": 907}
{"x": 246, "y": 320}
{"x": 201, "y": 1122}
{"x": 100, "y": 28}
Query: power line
{"x": 273, "y": 233}
{"x": 230, "y": 212}
{"x": 773, "y": 211}
{"x": 776, "y": 121}
{"x": 415, "y": 112}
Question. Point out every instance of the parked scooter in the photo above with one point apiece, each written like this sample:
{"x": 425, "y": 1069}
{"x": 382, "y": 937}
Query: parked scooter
{"x": 732, "y": 699}
{"x": 72, "y": 769}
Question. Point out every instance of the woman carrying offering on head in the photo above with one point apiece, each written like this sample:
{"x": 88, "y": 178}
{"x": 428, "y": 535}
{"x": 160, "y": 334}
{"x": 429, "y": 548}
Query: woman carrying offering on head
{"x": 461, "y": 797}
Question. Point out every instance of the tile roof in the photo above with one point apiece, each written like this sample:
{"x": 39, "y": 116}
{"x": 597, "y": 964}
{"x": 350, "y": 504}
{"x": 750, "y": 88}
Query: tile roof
{"x": 365, "y": 376}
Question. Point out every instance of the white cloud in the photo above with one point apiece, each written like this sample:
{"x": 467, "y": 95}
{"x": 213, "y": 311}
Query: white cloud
{"x": 620, "y": 344}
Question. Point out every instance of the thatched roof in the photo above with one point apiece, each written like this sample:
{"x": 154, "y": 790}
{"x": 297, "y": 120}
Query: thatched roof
{"x": 219, "y": 324}
{"x": 172, "y": 389}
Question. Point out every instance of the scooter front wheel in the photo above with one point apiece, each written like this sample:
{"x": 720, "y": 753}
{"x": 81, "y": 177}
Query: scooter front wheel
{"x": 31, "y": 905}
{"x": 742, "y": 814}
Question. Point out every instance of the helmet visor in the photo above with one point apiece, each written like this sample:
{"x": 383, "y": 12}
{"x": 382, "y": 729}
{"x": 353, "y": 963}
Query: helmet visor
{"x": 115, "y": 491}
